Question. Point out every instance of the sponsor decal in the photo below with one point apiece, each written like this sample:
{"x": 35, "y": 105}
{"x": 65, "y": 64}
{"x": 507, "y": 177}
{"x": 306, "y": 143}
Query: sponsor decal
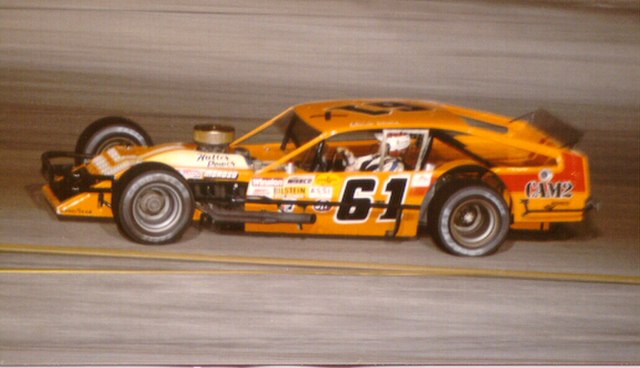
{"x": 287, "y": 207}
{"x": 320, "y": 192}
{"x": 545, "y": 175}
{"x": 545, "y": 187}
{"x": 221, "y": 174}
{"x": 327, "y": 179}
{"x": 190, "y": 174}
{"x": 300, "y": 180}
{"x": 321, "y": 206}
{"x": 76, "y": 211}
{"x": 294, "y": 192}
{"x": 421, "y": 180}
{"x": 266, "y": 182}
{"x": 264, "y": 187}
{"x": 217, "y": 160}
{"x": 260, "y": 192}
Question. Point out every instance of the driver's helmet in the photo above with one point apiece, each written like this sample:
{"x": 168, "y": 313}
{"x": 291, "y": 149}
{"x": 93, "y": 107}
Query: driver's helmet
{"x": 396, "y": 141}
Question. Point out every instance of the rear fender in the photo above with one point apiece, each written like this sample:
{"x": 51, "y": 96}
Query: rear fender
{"x": 460, "y": 176}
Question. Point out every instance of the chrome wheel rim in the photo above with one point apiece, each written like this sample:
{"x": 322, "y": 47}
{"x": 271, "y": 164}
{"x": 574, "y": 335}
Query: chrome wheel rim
{"x": 474, "y": 223}
{"x": 157, "y": 207}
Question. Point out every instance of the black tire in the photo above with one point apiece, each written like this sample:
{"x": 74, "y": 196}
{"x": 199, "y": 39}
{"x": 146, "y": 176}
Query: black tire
{"x": 108, "y": 132}
{"x": 153, "y": 204}
{"x": 472, "y": 221}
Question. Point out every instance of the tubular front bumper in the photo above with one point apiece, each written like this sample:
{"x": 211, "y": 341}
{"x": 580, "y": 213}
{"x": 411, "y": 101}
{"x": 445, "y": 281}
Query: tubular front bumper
{"x": 73, "y": 190}
{"x": 67, "y": 180}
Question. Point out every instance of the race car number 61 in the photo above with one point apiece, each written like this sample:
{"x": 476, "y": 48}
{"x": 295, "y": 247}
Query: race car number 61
{"x": 358, "y": 195}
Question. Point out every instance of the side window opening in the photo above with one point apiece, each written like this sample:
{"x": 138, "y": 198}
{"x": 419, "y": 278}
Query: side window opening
{"x": 379, "y": 150}
{"x": 369, "y": 151}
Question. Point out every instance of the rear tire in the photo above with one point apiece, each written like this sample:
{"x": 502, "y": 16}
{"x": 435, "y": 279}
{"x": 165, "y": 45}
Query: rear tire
{"x": 109, "y": 132}
{"x": 153, "y": 205}
{"x": 472, "y": 221}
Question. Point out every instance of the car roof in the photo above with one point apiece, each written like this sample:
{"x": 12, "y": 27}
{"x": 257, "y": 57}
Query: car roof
{"x": 344, "y": 115}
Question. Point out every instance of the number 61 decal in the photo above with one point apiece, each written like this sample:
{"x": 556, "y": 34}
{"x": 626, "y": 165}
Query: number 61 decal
{"x": 358, "y": 196}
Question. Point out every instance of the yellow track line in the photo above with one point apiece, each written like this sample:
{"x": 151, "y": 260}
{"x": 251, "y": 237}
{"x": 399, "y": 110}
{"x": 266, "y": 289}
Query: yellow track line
{"x": 294, "y": 271}
{"x": 377, "y": 268}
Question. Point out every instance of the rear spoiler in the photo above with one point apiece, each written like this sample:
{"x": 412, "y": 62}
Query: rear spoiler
{"x": 542, "y": 120}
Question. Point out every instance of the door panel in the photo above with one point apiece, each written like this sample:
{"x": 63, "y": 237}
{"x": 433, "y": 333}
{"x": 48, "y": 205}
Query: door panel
{"x": 362, "y": 204}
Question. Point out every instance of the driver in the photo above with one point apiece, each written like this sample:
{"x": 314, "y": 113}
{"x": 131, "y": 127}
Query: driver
{"x": 397, "y": 145}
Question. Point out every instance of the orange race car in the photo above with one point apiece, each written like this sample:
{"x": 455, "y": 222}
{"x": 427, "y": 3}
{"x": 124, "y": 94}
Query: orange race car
{"x": 356, "y": 167}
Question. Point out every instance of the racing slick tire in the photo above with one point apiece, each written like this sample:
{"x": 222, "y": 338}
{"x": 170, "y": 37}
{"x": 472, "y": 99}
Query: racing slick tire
{"x": 153, "y": 204}
{"x": 108, "y": 132}
{"x": 472, "y": 221}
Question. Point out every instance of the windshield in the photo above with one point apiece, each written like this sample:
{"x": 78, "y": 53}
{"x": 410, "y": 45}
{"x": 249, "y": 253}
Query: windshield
{"x": 298, "y": 132}
{"x": 289, "y": 128}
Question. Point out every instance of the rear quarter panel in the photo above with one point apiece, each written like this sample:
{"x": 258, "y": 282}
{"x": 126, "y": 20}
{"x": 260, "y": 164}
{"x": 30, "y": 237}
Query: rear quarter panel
{"x": 557, "y": 193}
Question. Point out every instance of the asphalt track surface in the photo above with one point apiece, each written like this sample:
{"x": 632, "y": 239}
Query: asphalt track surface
{"x": 78, "y": 293}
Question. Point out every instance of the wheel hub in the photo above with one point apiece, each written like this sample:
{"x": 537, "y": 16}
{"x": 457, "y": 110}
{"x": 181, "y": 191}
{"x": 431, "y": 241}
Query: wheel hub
{"x": 468, "y": 216}
{"x": 473, "y": 223}
{"x": 156, "y": 207}
{"x": 152, "y": 203}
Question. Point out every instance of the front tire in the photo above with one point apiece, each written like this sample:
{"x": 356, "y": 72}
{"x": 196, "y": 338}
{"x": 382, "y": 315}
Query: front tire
{"x": 109, "y": 132}
{"x": 472, "y": 221}
{"x": 154, "y": 205}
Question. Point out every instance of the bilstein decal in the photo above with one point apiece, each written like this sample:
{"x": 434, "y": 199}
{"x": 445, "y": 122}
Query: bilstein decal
{"x": 295, "y": 192}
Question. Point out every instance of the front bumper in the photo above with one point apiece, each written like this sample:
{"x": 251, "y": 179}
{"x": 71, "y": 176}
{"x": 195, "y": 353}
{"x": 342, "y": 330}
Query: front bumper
{"x": 72, "y": 190}
{"x": 67, "y": 180}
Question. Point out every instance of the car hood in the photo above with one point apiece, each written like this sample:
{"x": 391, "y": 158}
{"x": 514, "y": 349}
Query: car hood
{"x": 185, "y": 158}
